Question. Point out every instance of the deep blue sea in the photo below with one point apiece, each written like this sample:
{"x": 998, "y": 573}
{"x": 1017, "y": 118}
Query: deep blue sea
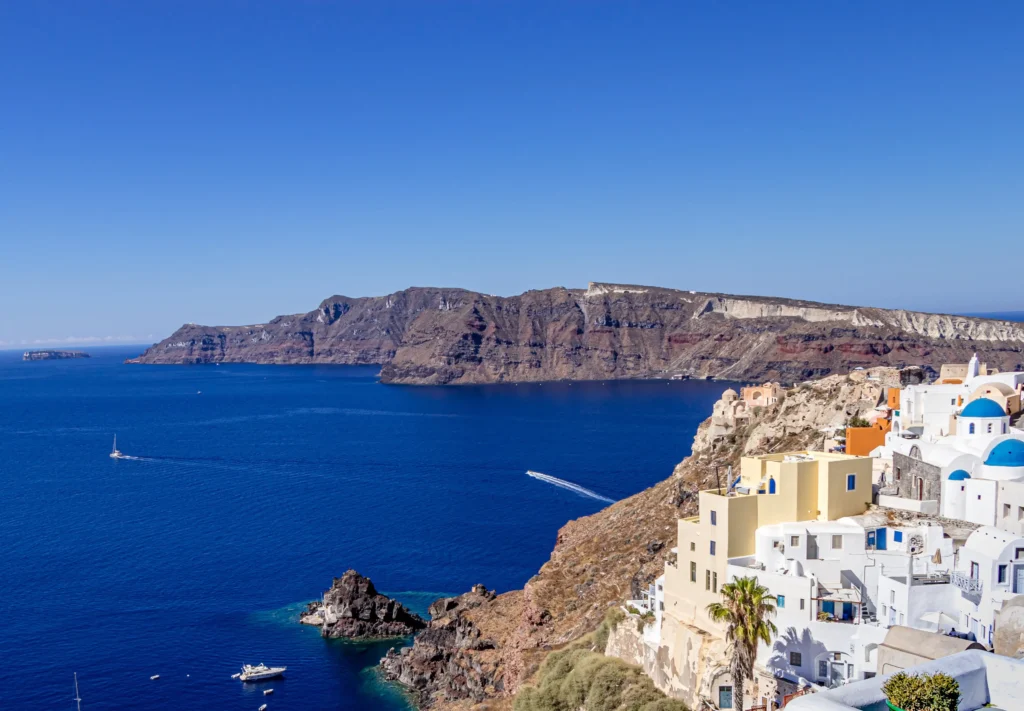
{"x": 252, "y": 487}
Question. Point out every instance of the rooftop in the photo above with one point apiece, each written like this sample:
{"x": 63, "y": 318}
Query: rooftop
{"x": 805, "y": 456}
{"x": 986, "y": 681}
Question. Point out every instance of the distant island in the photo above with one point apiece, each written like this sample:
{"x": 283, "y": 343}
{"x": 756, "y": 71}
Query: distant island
{"x": 53, "y": 355}
{"x": 438, "y": 336}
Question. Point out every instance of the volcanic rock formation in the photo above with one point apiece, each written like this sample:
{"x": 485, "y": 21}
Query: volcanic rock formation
{"x": 353, "y": 609}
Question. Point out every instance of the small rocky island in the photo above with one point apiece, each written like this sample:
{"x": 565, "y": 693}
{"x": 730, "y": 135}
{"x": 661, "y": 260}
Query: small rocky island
{"x": 353, "y": 609}
{"x": 53, "y": 355}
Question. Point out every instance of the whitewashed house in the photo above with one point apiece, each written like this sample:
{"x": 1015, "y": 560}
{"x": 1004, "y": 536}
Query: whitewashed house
{"x": 989, "y": 572}
{"x": 825, "y": 576}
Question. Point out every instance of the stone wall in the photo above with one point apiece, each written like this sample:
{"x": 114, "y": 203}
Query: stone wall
{"x": 910, "y": 471}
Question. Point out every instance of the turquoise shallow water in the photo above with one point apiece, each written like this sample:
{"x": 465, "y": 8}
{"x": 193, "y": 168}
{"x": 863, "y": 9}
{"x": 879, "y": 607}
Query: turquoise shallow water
{"x": 253, "y": 486}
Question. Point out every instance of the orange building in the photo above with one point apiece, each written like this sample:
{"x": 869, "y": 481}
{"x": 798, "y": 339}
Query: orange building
{"x": 861, "y": 440}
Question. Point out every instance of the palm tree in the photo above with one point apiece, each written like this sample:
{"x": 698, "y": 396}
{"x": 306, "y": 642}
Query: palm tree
{"x": 746, "y": 608}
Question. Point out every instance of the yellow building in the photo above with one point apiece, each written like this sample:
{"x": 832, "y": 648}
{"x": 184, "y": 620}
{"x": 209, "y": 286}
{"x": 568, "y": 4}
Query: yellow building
{"x": 773, "y": 488}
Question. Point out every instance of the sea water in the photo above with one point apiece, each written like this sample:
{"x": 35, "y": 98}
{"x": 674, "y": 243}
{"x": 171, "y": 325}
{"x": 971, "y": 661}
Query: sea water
{"x": 251, "y": 486}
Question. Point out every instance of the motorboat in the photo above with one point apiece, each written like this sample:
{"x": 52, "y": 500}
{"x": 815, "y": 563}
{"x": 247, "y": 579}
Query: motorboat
{"x": 260, "y": 672}
{"x": 115, "y": 453}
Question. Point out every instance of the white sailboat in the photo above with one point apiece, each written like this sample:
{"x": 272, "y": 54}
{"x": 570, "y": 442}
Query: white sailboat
{"x": 115, "y": 453}
{"x": 78, "y": 698}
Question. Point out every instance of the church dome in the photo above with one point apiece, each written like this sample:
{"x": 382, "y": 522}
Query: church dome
{"x": 731, "y": 394}
{"x": 1008, "y": 453}
{"x": 959, "y": 475}
{"x": 983, "y": 407}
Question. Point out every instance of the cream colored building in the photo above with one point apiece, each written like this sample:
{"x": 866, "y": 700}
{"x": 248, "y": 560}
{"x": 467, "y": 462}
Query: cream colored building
{"x": 773, "y": 488}
{"x": 761, "y": 395}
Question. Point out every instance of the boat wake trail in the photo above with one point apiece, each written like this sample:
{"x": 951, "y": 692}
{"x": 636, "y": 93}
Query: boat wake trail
{"x": 568, "y": 485}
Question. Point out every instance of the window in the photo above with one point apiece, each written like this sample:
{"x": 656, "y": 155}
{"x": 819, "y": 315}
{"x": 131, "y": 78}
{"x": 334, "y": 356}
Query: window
{"x": 897, "y": 536}
{"x": 1006, "y": 510}
{"x": 693, "y": 545}
{"x": 974, "y": 571}
{"x": 897, "y": 473}
{"x": 1004, "y": 428}
{"x": 970, "y": 429}
{"x": 780, "y": 601}
{"x": 795, "y": 659}
{"x": 693, "y": 572}
{"x": 901, "y": 618}
{"x": 794, "y": 541}
{"x": 837, "y": 543}
{"x": 714, "y": 582}
{"x": 892, "y": 597}
{"x": 714, "y": 518}
{"x": 837, "y": 656}
{"x": 953, "y": 402}
{"x": 823, "y": 668}
{"x": 707, "y": 579}
{"x": 775, "y": 544}
{"x": 712, "y": 547}
{"x": 884, "y": 608}
{"x": 771, "y": 486}
{"x": 851, "y": 482}
{"x": 801, "y": 603}
{"x": 1019, "y": 554}
{"x": 979, "y": 497}
{"x": 1002, "y": 573}
{"x": 1020, "y": 513}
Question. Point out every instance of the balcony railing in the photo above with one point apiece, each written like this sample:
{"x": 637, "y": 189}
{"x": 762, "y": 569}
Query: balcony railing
{"x": 969, "y": 585}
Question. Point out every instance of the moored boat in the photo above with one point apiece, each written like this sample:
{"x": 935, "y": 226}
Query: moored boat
{"x": 259, "y": 672}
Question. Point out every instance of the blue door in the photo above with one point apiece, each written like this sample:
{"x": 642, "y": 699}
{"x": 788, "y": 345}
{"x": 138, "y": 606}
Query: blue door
{"x": 828, "y": 606}
{"x": 880, "y": 539}
{"x": 847, "y": 611}
{"x": 725, "y": 697}
{"x": 771, "y": 486}
{"x": 871, "y": 539}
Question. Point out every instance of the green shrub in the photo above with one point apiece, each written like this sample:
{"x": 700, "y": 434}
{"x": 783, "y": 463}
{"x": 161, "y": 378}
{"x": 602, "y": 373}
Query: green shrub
{"x": 936, "y": 692}
{"x": 611, "y": 619}
{"x": 578, "y": 679}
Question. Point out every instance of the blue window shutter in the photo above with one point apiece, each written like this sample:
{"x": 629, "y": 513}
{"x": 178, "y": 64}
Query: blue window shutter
{"x": 897, "y": 536}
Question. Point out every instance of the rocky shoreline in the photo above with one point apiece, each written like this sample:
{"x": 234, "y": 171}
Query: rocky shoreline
{"x": 444, "y": 661}
{"x": 353, "y": 609}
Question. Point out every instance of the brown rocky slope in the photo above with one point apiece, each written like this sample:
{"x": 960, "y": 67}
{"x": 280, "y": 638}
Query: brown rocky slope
{"x": 439, "y": 336}
{"x": 600, "y": 560}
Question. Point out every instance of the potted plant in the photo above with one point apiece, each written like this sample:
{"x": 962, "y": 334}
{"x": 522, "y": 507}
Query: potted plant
{"x": 926, "y": 692}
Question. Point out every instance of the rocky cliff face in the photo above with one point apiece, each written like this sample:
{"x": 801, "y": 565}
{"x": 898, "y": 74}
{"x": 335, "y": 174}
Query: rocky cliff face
{"x": 439, "y": 336}
{"x": 353, "y": 609}
{"x": 600, "y": 560}
{"x": 454, "y": 660}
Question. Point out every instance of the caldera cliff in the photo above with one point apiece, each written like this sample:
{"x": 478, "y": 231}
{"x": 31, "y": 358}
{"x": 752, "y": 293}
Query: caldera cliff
{"x": 607, "y": 331}
{"x": 481, "y": 649}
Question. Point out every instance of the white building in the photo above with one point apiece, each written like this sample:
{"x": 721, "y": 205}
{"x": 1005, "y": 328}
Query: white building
{"x": 927, "y": 411}
{"x": 989, "y": 572}
{"x": 826, "y": 576}
{"x": 960, "y": 475}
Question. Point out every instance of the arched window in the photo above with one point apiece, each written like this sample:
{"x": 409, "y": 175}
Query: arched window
{"x": 771, "y": 486}
{"x": 970, "y": 430}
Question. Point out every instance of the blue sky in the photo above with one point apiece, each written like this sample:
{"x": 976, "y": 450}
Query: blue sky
{"x": 224, "y": 162}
